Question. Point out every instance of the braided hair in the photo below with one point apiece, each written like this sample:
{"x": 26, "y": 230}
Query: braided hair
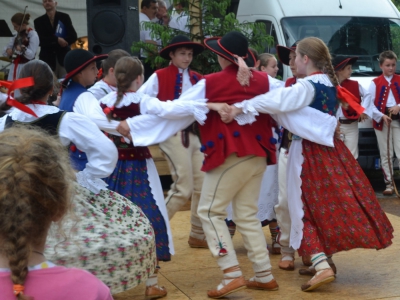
{"x": 35, "y": 190}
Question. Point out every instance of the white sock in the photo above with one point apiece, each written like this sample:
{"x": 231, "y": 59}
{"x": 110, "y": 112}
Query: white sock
{"x": 263, "y": 276}
{"x": 236, "y": 272}
{"x": 319, "y": 261}
{"x": 287, "y": 255}
{"x": 197, "y": 232}
{"x": 152, "y": 280}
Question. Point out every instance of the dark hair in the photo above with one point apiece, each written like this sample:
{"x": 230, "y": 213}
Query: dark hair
{"x": 35, "y": 190}
{"x": 389, "y": 54}
{"x": 44, "y": 81}
{"x": 126, "y": 70}
{"x": 147, "y": 3}
{"x": 18, "y": 17}
{"x": 111, "y": 60}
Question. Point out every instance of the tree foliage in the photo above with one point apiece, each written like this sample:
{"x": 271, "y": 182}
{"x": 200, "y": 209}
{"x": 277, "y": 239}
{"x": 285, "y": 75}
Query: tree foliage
{"x": 212, "y": 21}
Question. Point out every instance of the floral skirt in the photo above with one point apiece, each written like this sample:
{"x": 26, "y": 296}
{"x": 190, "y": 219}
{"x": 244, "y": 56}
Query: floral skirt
{"x": 108, "y": 236}
{"x": 130, "y": 180}
{"x": 341, "y": 211}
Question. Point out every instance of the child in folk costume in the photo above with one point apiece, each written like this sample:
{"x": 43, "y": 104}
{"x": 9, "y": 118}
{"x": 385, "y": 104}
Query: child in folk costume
{"x": 82, "y": 72}
{"x": 107, "y": 83}
{"x": 27, "y": 211}
{"x": 106, "y": 234}
{"x": 349, "y": 118}
{"x": 328, "y": 186}
{"x": 182, "y": 150}
{"x": 385, "y": 99}
{"x": 23, "y": 45}
{"x": 135, "y": 175}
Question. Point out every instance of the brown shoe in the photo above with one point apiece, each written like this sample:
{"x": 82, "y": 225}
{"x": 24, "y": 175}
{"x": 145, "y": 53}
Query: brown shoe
{"x": 275, "y": 248}
{"x": 325, "y": 276}
{"x": 155, "y": 291}
{"x": 287, "y": 265}
{"x": 389, "y": 191}
{"x": 235, "y": 285}
{"x": 197, "y": 243}
{"x": 306, "y": 260}
{"x": 268, "y": 286}
{"x": 311, "y": 271}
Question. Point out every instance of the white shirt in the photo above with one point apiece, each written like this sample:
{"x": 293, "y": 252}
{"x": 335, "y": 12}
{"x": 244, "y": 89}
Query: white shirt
{"x": 101, "y": 89}
{"x": 101, "y": 152}
{"x": 30, "y": 51}
{"x": 179, "y": 21}
{"x": 391, "y": 101}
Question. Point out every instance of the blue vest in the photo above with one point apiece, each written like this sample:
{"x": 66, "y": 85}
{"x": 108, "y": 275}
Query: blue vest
{"x": 68, "y": 98}
{"x": 325, "y": 98}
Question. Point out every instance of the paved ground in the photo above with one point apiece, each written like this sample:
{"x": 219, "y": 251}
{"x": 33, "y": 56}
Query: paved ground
{"x": 362, "y": 274}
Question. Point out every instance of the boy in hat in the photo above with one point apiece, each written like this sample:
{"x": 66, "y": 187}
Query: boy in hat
{"x": 108, "y": 83}
{"x": 349, "y": 118}
{"x": 182, "y": 150}
{"x": 81, "y": 73}
{"x": 385, "y": 100}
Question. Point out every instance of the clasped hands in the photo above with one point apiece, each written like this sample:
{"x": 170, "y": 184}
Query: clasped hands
{"x": 226, "y": 111}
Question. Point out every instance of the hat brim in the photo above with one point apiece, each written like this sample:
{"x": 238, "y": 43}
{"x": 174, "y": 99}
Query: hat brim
{"x": 347, "y": 61}
{"x": 197, "y": 49}
{"x": 212, "y": 44}
{"x": 284, "y": 53}
{"x": 81, "y": 67}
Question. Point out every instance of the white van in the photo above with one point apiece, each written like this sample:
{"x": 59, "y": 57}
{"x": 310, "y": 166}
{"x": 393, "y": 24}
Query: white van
{"x": 362, "y": 28}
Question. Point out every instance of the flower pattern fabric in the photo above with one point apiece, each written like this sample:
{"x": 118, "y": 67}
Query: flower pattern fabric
{"x": 108, "y": 236}
{"x": 341, "y": 211}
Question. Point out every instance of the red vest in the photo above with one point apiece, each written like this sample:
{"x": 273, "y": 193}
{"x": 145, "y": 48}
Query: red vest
{"x": 382, "y": 94}
{"x": 352, "y": 87}
{"x": 169, "y": 87}
{"x": 219, "y": 140}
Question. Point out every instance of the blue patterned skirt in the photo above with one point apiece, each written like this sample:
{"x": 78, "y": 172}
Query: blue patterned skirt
{"x": 130, "y": 179}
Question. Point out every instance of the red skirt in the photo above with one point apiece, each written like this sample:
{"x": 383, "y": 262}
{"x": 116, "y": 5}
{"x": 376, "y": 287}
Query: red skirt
{"x": 341, "y": 211}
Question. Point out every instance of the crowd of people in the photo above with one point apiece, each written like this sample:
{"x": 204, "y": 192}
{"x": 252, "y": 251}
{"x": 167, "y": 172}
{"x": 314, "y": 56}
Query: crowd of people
{"x": 79, "y": 188}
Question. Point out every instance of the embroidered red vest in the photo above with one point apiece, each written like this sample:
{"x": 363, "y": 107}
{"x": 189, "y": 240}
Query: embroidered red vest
{"x": 219, "y": 140}
{"x": 352, "y": 87}
{"x": 382, "y": 94}
{"x": 169, "y": 86}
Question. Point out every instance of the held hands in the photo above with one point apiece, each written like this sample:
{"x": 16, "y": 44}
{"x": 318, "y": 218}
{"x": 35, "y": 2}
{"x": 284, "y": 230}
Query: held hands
{"x": 124, "y": 130}
{"x": 362, "y": 117}
{"x": 227, "y": 112}
{"x": 338, "y": 134}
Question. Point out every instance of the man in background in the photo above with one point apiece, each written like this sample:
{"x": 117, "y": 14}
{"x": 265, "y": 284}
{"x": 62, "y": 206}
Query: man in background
{"x": 56, "y": 34}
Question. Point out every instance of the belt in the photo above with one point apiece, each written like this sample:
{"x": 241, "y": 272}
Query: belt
{"x": 393, "y": 117}
{"x": 347, "y": 121}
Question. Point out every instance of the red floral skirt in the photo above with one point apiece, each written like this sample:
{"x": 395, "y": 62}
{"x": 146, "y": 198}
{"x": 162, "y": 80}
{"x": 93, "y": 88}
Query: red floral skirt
{"x": 341, "y": 211}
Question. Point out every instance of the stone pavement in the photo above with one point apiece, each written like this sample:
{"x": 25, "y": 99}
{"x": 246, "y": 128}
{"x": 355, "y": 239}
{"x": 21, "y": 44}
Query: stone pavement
{"x": 362, "y": 274}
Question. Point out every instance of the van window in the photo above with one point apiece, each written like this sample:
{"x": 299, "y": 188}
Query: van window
{"x": 269, "y": 29}
{"x": 364, "y": 37}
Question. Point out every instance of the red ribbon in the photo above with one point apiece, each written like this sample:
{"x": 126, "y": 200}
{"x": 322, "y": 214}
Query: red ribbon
{"x": 17, "y": 84}
{"x": 344, "y": 94}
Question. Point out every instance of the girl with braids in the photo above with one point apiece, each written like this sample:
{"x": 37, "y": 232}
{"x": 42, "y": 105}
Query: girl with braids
{"x": 32, "y": 163}
{"x": 135, "y": 176}
{"x": 110, "y": 236}
{"x": 331, "y": 202}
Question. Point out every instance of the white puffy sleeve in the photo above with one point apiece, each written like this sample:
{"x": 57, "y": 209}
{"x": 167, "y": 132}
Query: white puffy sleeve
{"x": 151, "y": 129}
{"x": 366, "y": 100}
{"x": 101, "y": 152}
{"x": 376, "y": 114}
{"x": 86, "y": 104}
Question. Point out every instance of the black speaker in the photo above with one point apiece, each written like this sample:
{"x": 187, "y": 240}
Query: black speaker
{"x": 112, "y": 24}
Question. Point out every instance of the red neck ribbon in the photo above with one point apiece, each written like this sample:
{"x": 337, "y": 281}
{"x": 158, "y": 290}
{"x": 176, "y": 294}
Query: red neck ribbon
{"x": 17, "y": 84}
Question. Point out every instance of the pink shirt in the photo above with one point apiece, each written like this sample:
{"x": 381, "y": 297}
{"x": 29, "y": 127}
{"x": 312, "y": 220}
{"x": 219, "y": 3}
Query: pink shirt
{"x": 57, "y": 283}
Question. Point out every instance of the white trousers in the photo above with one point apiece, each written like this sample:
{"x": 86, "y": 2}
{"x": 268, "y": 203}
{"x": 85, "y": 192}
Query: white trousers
{"x": 238, "y": 181}
{"x": 184, "y": 165}
{"x": 350, "y": 133}
{"x": 394, "y": 143}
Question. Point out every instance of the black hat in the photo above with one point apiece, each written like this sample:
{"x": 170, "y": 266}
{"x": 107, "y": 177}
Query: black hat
{"x": 78, "y": 59}
{"x": 181, "y": 41}
{"x": 230, "y": 44}
{"x": 340, "y": 61}
{"x": 284, "y": 52}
